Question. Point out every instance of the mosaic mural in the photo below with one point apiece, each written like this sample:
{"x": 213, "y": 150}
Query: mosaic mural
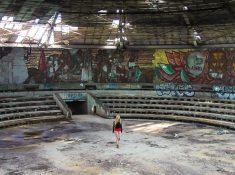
{"x": 37, "y": 66}
{"x": 86, "y": 65}
{"x": 193, "y": 67}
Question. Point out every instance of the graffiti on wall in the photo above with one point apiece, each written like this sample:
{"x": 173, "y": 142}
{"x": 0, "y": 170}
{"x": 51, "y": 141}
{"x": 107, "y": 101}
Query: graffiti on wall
{"x": 177, "y": 90}
{"x": 225, "y": 92}
{"x": 73, "y": 96}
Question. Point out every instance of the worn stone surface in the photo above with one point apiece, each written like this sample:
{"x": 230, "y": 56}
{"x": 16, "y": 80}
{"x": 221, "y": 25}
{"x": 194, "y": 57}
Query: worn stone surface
{"x": 86, "y": 146}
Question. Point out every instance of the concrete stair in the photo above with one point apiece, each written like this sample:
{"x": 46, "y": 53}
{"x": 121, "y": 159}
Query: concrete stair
{"x": 217, "y": 112}
{"x": 22, "y": 110}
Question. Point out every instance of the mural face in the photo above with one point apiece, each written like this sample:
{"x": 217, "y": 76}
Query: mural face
{"x": 186, "y": 66}
{"x": 179, "y": 66}
{"x": 195, "y": 64}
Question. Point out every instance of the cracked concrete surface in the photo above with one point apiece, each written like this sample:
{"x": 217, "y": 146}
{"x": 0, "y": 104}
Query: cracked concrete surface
{"x": 86, "y": 146}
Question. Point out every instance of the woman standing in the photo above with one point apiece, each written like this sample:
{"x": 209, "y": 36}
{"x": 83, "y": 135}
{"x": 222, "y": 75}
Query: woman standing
{"x": 117, "y": 128}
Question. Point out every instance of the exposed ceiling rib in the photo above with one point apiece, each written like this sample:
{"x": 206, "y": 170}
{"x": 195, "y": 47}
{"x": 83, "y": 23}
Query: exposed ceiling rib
{"x": 85, "y": 22}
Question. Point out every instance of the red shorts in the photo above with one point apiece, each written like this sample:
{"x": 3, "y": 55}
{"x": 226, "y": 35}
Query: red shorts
{"x": 118, "y": 129}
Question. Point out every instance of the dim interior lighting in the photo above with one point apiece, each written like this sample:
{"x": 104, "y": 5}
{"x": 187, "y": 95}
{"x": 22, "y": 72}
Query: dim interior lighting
{"x": 109, "y": 42}
{"x": 33, "y": 31}
{"x": 58, "y": 19}
{"x": 17, "y": 26}
{"x": 7, "y": 22}
{"x": 124, "y": 38}
{"x": 196, "y": 36}
{"x": 44, "y": 34}
{"x": 8, "y": 18}
{"x": 65, "y": 29}
{"x": 154, "y": 3}
{"x": 103, "y": 11}
{"x": 121, "y": 42}
{"x": 127, "y": 24}
{"x": 185, "y": 8}
{"x": 115, "y": 23}
{"x": 36, "y": 21}
{"x": 117, "y": 40}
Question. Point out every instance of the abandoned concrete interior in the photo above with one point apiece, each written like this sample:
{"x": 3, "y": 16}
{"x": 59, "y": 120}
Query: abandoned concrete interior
{"x": 69, "y": 67}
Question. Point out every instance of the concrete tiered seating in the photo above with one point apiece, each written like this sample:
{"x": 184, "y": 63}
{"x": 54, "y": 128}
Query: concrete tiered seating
{"x": 216, "y": 112}
{"x": 22, "y": 110}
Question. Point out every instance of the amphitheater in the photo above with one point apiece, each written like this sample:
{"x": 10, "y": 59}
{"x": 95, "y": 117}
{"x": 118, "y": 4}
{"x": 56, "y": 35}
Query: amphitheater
{"x": 69, "y": 67}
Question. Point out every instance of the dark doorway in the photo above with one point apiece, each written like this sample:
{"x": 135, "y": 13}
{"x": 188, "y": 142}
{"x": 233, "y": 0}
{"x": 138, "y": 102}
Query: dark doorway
{"x": 78, "y": 107}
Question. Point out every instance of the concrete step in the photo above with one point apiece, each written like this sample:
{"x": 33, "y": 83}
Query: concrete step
{"x": 226, "y": 124}
{"x": 27, "y": 103}
{"x": 9, "y": 97}
{"x": 23, "y": 121}
{"x": 23, "y": 98}
{"x": 27, "y": 108}
{"x": 171, "y": 107}
{"x": 169, "y": 102}
{"x": 195, "y": 114}
{"x": 193, "y": 99}
{"x": 14, "y": 116}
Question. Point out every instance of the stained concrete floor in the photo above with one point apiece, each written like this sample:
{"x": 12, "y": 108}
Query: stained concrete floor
{"x": 86, "y": 146}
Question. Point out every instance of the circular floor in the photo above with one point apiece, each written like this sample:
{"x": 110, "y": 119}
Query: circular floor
{"x": 86, "y": 146}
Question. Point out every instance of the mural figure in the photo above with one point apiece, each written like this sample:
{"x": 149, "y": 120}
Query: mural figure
{"x": 115, "y": 70}
{"x": 77, "y": 62}
{"x": 134, "y": 71}
{"x": 86, "y": 65}
{"x": 134, "y": 74}
{"x": 210, "y": 67}
{"x": 180, "y": 66}
{"x": 103, "y": 66}
{"x": 52, "y": 67}
{"x": 217, "y": 64}
{"x": 230, "y": 77}
{"x": 195, "y": 64}
{"x": 118, "y": 70}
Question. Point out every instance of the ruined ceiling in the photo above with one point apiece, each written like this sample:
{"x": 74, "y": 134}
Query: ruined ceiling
{"x": 145, "y": 22}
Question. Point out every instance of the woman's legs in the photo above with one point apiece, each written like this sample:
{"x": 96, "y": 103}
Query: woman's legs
{"x": 117, "y": 134}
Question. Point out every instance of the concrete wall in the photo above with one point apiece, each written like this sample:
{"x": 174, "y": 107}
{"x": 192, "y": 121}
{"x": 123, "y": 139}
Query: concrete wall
{"x": 13, "y": 69}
